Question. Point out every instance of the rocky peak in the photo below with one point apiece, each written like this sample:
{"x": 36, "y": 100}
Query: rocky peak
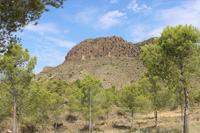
{"x": 104, "y": 47}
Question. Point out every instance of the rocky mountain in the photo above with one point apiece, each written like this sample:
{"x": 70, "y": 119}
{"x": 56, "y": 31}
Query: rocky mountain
{"x": 104, "y": 47}
{"x": 111, "y": 59}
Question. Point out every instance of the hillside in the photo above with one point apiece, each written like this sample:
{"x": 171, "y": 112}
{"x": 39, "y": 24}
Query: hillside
{"x": 111, "y": 59}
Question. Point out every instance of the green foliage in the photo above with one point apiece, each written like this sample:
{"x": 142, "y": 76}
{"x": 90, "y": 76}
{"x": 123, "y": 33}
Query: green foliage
{"x": 108, "y": 100}
{"x": 175, "y": 59}
{"x": 116, "y": 95}
{"x": 78, "y": 83}
{"x": 142, "y": 104}
{"x": 198, "y": 98}
{"x": 166, "y": 99}
{"x": 160, "y": 96}
{"x": 17, "y": 65}
{"x": 57, "y": 86}
{"x": 5, "y": 103}
{"x": 91, "y": 98}
{"x": 15, "y": 15}
{"x": 16, "y": 68}
{"x": 174, "y": 56}
{"x": 134, "y": 99}
{"x": 41, "y": 105}
{"x": 128, "y": 95}
{"x": 193, "y": 94}
{"x": 74, "y": 99}
{"x": 57, "y": 104}
{"x": 179, "y": 96}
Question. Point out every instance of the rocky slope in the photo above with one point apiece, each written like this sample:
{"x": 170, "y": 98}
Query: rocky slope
{"x": 104, "y": 47}
{"x": 111, "y": 59}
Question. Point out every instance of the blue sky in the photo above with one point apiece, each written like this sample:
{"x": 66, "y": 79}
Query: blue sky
{"x": 134, "y": 20}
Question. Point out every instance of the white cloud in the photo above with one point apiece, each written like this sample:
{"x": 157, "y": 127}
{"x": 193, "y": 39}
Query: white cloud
{"x": 114, "y": 1}
{"x": 86, "y": 15}
{"x": 138, "y": 32}
{"x": 61, "y": 43}
{"x": 43, "y": 28}
{"x": 66, "y": 31}
{"x": 134, "y": 6}
{"x": 156, "y": 32}
{"x": 110, "y": 19}
{"x": 48, "y": 56}
{"x": 141, "y": 32}
{"x": 187, "y": 13}
{"x": 93, "y": 18}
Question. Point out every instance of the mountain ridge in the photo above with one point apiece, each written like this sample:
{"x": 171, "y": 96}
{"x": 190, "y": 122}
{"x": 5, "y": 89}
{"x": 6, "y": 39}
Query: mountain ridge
{"x": 113, "y": 60}
{"x": 104, "y": 47}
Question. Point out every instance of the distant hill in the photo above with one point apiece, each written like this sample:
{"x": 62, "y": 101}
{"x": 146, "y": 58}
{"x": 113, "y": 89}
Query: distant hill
{"x": 111, "y": 59}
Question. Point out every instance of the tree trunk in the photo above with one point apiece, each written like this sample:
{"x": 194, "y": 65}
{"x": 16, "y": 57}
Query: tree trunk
{"x": 132, "y": 120}
{"x": 55, "y": 128}
{"x": 107, "y": 115}
{"x": 92, "y": 126}
{"x": 90, "y": 116}
{"x": 156, "y": 118}
{"x": 182, "y": 112}
{"x": 186, "y": 113}
{"x": 17, "y": 124}
{"x": 14, "y": 114}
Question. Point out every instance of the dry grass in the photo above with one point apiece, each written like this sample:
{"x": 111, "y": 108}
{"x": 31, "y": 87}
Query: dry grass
{"x": 167, "y": 120}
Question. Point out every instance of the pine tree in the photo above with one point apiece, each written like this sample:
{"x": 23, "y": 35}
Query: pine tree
{"x": 160, "y": 96}
{"x": 16, "y": 72}
{"x": 175, "y": 58}
{"x": 55, "y": 86}
{"x": 15, "y": 15}
{"x": 41, "y": 104}
{"x": 74, "y": 99}
{"x": 133, "y": 98}
{"x": 5, "y": 104}
{"x": 91, "y": 101}
{"x": 108, "y": 101}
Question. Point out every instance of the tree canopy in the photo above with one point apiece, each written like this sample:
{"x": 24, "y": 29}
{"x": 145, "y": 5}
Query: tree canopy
{"x": 175, "y": 58}
{"x": 91, "y": 101}
{"x": 16, "y": 69}
{"x": 16, "y": 14}
{"x": 133, "y": 98}
{"x": 41, "y": 104}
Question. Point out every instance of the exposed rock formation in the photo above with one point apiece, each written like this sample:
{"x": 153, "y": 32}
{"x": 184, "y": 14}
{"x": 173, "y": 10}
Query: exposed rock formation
{"x": 104, "y": 47}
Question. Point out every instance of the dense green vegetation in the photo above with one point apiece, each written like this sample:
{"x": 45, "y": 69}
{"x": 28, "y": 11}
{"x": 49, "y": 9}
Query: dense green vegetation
{"x": 172, "y": 68}
{"x": 174, "y": 59}
{"x": 16, "y": 73}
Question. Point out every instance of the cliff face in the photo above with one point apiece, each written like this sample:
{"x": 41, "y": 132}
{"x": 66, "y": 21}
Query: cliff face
{"x": 104, "y": 47}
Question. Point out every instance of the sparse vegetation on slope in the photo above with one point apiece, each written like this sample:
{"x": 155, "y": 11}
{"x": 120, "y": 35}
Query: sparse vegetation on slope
{"x": 113, "y": 69}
